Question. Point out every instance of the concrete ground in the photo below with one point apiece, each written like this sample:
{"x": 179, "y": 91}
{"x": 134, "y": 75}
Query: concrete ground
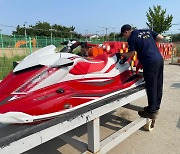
{"x": 165, "y": 138}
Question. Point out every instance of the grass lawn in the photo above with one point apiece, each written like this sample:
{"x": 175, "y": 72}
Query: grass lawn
{"x": 6, "y": 65}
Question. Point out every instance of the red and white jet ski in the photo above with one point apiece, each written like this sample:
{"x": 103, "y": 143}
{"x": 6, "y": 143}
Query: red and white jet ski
{"x": 47, "y": 84}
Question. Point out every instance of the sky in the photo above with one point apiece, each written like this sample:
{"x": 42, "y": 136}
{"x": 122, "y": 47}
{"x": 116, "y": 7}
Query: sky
{"x": 88, "y": 16}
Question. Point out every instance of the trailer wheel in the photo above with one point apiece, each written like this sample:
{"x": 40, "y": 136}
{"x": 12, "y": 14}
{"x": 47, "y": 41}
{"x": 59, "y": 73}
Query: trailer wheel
{"x": 150, "y": 125}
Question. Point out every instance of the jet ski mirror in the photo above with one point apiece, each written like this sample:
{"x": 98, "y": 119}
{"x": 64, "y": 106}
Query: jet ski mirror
{"x": 65, "y": 49}
{"x": 64, "y": 43}
{"x": 15, "y": 63}
{"x": 70, "y": 46}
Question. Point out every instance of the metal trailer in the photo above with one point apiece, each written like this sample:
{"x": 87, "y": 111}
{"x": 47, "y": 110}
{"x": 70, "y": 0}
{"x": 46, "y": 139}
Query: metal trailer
{"x": 22, "y": 138}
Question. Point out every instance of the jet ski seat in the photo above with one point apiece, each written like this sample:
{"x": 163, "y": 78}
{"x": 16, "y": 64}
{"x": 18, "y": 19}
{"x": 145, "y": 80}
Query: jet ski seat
{"x": 85, "y": 67}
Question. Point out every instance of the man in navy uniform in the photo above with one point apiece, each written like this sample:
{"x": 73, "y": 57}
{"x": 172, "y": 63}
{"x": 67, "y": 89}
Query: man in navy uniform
{"x": 144, "y": 43}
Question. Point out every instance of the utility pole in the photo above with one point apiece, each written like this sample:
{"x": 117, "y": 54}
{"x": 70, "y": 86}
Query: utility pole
{"x": 25, "y": 34}
{"x": 97, "y": 36}
{"x": 114, "y": 32}
{"x": 71, "y": 32}
{"x": 51, "y": 34}
{"x": 103, "y": 35}
{"x": 86, "y": 34}
{"x": 2, "y": 43}
{"x": 106, "y": 29}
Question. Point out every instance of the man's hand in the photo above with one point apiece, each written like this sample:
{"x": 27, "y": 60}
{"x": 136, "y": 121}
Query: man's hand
{"x": 128, "y": 54}
{"x": 118, "y": 55}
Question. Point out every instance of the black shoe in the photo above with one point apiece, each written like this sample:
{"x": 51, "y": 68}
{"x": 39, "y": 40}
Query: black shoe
{"x": 146, "y": 114}
{"x": 146, "y": 109}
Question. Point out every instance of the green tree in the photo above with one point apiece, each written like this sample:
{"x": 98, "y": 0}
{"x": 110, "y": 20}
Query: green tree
{"x": 45, "y": 29}
{"x": 157, "y": 19}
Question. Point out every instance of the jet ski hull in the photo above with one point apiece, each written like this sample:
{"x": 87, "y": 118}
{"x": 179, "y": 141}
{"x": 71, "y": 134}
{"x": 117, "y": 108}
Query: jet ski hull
{"x": 38, "y": 90}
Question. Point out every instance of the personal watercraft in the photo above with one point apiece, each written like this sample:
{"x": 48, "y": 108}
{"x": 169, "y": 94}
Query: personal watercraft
{"x": 47, "y": 84}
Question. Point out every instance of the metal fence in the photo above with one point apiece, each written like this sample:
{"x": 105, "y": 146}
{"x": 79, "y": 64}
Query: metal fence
{"x": 19, "y": 41}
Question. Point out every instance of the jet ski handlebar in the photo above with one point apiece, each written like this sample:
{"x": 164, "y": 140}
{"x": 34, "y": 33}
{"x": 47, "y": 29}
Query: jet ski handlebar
{"x": 72, "y": 44}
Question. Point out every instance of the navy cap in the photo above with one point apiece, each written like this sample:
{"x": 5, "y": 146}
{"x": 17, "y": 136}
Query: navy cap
{"x": 124, "y": 28}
